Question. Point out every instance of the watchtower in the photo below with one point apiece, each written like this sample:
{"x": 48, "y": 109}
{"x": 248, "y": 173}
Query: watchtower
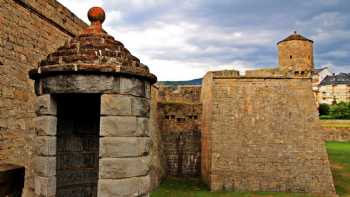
{"x": 295, "y": 54}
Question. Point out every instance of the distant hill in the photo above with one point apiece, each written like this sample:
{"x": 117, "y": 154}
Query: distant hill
{"x": 176, "y": 83}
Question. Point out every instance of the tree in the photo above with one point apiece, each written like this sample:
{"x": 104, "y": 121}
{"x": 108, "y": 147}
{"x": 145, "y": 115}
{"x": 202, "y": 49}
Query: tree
{"x": 323, "y": 109}
{"x": 340, "y": 110}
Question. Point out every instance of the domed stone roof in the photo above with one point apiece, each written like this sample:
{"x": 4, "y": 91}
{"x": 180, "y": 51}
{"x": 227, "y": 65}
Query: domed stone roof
{"x": 295, "y": 36}
{"x": 93, "y": 51}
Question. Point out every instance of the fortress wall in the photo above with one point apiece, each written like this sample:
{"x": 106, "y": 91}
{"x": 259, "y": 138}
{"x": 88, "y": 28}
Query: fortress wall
{"x": 180, "y": 129}
{"x": 29, "y": 31}
{"x": 184, "y": 94}
{"x": 158, "y": 165}
{"x": 206, "y": 100}
{"x": 263, "y": 135}
{"x": 179, "y": 118}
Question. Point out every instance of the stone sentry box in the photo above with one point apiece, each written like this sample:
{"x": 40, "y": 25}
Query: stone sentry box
{"x": 92, "y": 118}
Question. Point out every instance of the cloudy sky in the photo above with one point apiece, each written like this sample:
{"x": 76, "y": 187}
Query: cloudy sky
{"x": 183, "y": 39}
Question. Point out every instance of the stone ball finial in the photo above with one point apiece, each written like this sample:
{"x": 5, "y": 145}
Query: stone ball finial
{"x": 96, "y": 14}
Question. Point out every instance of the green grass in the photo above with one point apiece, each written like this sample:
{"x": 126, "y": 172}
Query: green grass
{"x": 339, "y": 154}
{"x": 327, "y": 117}
{"x": 173, "y": 187}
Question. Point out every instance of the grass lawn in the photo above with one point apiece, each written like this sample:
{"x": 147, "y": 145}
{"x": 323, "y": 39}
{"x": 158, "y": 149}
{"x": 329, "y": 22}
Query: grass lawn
{"x": 339, "y": 154}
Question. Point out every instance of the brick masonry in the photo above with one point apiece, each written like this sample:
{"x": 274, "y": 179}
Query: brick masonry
{"x": 29, "y": 31}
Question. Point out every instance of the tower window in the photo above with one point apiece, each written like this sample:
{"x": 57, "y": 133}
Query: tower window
{"x": 290, "y": 57}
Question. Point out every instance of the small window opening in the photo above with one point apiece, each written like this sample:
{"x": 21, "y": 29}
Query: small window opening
{"x": 195, "y": 117}
{"x": 290, "y": 57}
{"x": 296, "y": 72}
{"x": 172, "y": 116}
{"x": 167, "y": 117}
{"x": 180, "y": 119}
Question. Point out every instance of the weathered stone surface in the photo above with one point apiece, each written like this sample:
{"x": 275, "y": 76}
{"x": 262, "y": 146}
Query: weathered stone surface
{"x": 296, "y": 55}
{"x": 140, "y": 107}
{"x": 123, "y": 126}
{"x": 131, "y": 187}
{"x": 123, "y": 105}
{"x": 113, "y": 147}
{"x": 148, "y": 90}
{"x": 179, "y": 94}
{"x": 115, "y": 104}
{"x": 45, "y": 145}
{"x": 143, "y": 126}
{"x": 182, "y": 151}
{"x": 179, "y": 118}
{"x": 76, "y": 83}
{"x": 45, "y": 186}
{"x": 117, "y": 168}
{"x": 132, "y": 86}
{"x": 158, "y": 161}
{"x": 45, "y": 105}
{"x": 263, "y": 135}
{"x": 46, "y": 125}
{"x": 45, "y": 166}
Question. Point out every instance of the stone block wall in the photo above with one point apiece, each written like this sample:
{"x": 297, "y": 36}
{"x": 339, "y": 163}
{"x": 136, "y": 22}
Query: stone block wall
{"x": 45, "y": 142}
{"x": 179, "y": 120}
{"x": 158, "y": 163}
{"x": 263, "y": 134}
{"x": 183, "y": 94}
{"x": 29, "y": 31}
{"x": 182, "y": 153}
{"x": 125, "y": 142}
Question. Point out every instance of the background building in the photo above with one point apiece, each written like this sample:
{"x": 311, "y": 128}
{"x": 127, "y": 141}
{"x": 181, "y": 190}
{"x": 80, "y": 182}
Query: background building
{"x": 334, "y": 89}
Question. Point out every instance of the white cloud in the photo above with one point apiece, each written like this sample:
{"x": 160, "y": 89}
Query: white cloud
{"x": 81, "y": 7}
{"x": 134, "y": 4}
{"x": 185, "y": 39}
